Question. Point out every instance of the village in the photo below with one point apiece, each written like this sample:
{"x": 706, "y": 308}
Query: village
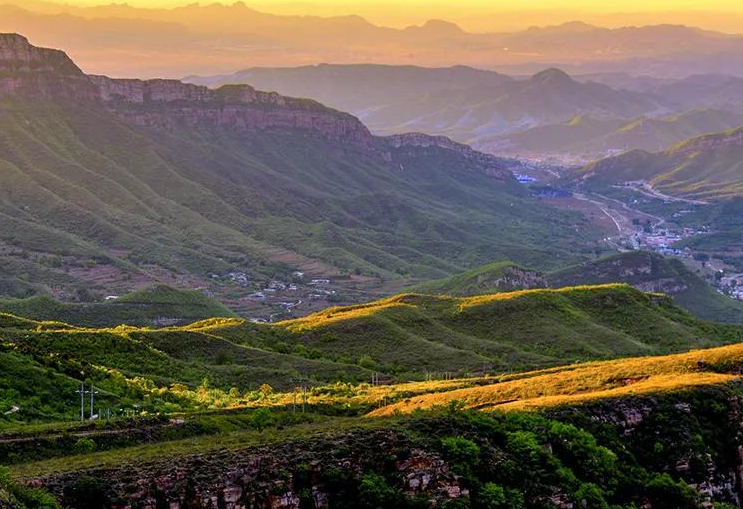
{"x": 664, "y": 239}
{"x": 294, "y": 294}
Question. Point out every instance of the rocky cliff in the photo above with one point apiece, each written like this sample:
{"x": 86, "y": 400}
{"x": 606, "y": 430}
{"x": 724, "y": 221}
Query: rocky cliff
{"x": 39, "y": 72}
{"x": 166, "y": 104}
{"x": 292, "y": 475}
{"x": 657, "y": 448}
{"x": 495, "y": 166}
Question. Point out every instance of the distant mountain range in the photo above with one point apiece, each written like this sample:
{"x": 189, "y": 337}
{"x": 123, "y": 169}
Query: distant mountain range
{"x": 218, "y": 38}
{"x": 464, "y": 103}
{"x": 547, "y": 114}
{"x": 107, "y": 182}
{"x": 589, "y": 137}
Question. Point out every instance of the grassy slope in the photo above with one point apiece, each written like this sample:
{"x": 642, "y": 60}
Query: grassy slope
{"x": 491, "y": 278}
{"x": 79, "y": 183}
{"x": 508, "y": 330}
{"x": 584, "y": 135}
{"x": 591, "y": 381}
{"x": 653, "y": 272}
{"x": 403, "y": 337}
{"x": 688, "y": 169}
{"x": 143, "y": 307}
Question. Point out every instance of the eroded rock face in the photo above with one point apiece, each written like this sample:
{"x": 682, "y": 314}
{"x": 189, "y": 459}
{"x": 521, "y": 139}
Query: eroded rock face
{"x": 39, "y": 72}
{"x": 494, "y": 166}
{"x": 285, "y": 476}
{"x": 163, "y": 104}
{"x": 166, "y": 104}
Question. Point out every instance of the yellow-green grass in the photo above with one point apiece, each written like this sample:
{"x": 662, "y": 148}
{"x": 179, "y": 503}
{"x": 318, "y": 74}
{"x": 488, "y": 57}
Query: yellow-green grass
{"x": 179, "y": 448}
{"x": 590, "y": 381}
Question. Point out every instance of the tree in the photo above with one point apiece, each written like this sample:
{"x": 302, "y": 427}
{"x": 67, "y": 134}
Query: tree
{"x": 261, "y": 419}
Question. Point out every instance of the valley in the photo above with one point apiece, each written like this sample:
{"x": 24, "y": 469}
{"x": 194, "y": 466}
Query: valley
{"x": 260, "y": 257}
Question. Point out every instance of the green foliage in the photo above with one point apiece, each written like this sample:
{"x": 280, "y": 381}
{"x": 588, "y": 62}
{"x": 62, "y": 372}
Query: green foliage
{"x": 666, "y": 493}
{"x": 13, "y": 496}
{"x": 84, "y": 446}
{"x": 376, "y": 493}
{"x": 143, "y": 308}
{"x": 463, "y": 454}
{"x": 261, "y": 419}
{"x": 688, "y": 290}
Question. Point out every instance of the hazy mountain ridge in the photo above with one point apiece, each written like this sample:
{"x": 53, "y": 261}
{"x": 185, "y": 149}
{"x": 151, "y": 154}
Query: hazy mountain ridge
{"x": 171, "y": 39}
{"x": 591, "y": 138}
{"x": 161, "y": 177}
{"x": 463, "y": 103}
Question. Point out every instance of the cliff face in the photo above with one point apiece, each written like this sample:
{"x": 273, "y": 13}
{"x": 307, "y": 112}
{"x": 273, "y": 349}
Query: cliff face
{"x": 695, "y": 436}
{"x": 494, "y": 166}
{"x": 165, "y": 104}
{"x": 39, "y": 72}
{"x": 285, "y": 476}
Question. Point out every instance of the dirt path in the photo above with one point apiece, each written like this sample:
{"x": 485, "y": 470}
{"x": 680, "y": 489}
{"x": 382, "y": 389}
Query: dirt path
{"x": 648, "y": 191}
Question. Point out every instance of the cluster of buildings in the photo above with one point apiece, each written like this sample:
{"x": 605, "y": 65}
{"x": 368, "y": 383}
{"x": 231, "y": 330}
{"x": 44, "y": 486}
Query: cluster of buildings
{"x": 732, "y": 284}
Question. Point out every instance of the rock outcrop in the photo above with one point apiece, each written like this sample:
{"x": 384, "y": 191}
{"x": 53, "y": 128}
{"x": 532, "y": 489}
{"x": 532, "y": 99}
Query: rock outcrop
{"x": 285, "y": 476}
{"x": 166, "y": 104}
{"x": 494, "y": 166}
{"x": 39, "y": 72}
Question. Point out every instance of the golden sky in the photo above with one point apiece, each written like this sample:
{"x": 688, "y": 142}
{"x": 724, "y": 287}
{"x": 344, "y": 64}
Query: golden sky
{"x": 494, "y": 15}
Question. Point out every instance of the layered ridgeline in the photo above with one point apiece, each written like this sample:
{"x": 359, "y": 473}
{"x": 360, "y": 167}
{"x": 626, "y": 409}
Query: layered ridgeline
{"x": 644, "y": 270}
{"x": 652, "y": 272}
{"x": 590, "y": 137}
{"x": 647, "y": 431}
{"x": 467, "y": 104}
{"x": 105, "y": 180}
{"x": 157, "y": 306}
{"x": 403, "y": 337}
{"x": 704, "y": 168}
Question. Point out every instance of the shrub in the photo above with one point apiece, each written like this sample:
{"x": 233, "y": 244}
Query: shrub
{"x": 463, "y": 454}
{"x": 84, "y": 446}
{"x": 374, "y": 493}
{"x": 261, "y": 419}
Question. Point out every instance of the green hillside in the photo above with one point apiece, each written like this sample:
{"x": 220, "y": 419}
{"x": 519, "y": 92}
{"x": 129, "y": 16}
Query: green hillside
{"x": 653, "y": 272}
{"x": 491, "y": 278}
{"x": 708, "y": 167}
{"x": 401, "y": 337}
{"x": 90, "y": 198}
{"x": 161, "y": 305}
{"x": 596, "y": 137}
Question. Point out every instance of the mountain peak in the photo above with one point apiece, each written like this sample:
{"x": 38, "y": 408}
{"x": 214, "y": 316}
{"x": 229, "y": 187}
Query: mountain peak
{"x": 552, "y": 75}
{"x": 17, "y": 54}
{"x": 438, "y": 26}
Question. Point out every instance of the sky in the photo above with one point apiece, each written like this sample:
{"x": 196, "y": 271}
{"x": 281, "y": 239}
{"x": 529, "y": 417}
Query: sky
{"x": 496, "y": 15}
{"x": 475, "y": 15}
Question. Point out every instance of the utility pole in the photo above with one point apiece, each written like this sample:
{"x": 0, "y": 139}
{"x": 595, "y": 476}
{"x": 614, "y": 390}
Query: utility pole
{"x": 81, "y": 392}
{"x": 93, "y": 392}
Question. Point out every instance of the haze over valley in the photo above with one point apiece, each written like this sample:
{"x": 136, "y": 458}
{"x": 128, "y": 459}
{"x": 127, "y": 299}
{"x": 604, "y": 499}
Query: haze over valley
{"x": 313, "y": 255}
